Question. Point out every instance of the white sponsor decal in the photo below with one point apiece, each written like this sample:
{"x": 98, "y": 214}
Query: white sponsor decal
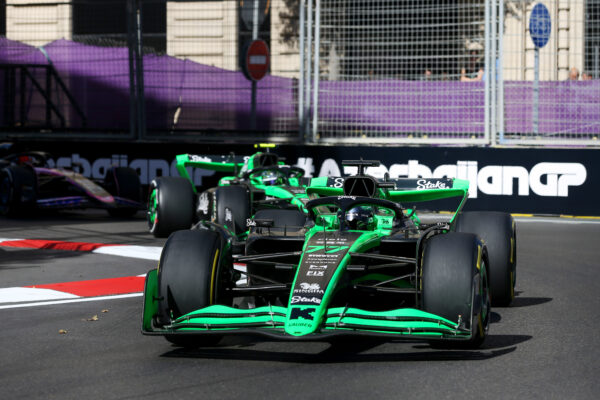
{"x": 315, "y": 273}
{"x": 309, "y": 288}
{"x": 317, "y": 267}
{"x": 228, "y": 215}
{"x": 203, "y": 203}
{"x": 197, "y": 158}
{"x": 425, "y": 184}
{"x": 302, "y": 299}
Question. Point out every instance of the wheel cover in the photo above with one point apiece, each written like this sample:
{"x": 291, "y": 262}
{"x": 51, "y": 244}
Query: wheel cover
{"x": 484, "y": 292}
{"x": 152, "y": 213}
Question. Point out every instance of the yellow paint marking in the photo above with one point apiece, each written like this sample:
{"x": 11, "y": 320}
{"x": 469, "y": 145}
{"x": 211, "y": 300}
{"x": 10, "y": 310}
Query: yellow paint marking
{"x": 512, "y": 250}
{"x": 212, "y": 278}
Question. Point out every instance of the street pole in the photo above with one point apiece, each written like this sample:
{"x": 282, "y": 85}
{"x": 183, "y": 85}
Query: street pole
{"x": 254, "y": 37}
{"x": 536, "y": 90}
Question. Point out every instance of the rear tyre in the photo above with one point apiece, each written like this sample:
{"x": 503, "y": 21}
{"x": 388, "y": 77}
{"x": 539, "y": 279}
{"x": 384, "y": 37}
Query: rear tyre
{"x": 233, "y": 207}
{"x": 498, "y": 232}
{"x": 454, "y": 283}
{"x": 188, "y": 279}
{"x": 123, "y": 182}
{"x": 18, "y": 190}
{"x": 170, "y": 206}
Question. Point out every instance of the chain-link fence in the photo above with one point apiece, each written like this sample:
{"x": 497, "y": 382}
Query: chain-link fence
{"x": 340, "y": 71}
{"x": 450, "y": 72}
{"x": 556, "y": 99}
{"x": 391, "y": 71}
{"x": 148, "y": 69}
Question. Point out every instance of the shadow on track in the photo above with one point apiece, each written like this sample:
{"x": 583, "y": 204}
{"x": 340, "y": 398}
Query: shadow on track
{"x": 350, "y": 351}
{"x": 529, "y": 301}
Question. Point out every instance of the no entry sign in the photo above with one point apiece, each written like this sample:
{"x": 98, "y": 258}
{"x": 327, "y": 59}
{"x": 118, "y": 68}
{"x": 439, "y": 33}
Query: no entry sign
{"x": 257, "y": 60}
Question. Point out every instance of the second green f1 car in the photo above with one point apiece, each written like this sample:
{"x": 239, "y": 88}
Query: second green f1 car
{"x": 259, "y": 181}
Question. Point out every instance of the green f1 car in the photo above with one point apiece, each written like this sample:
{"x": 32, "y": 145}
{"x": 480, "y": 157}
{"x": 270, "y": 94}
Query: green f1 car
{"x": 362, "y": 265}
{"x": 261, "y": 181}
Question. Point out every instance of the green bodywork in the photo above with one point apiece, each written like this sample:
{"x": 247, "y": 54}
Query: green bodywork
{"x": 309, "y": 321}
{"x": 239, "y": 169}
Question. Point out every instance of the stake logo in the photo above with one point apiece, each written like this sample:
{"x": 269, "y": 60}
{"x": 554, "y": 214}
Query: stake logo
{"x": 302, "y": 299}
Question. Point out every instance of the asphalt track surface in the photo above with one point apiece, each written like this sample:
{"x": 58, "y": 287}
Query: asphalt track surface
{"x": 545, "y": 346}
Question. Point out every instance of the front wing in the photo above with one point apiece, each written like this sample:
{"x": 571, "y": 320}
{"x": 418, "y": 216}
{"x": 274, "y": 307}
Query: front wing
{"x": 404, "y": 323}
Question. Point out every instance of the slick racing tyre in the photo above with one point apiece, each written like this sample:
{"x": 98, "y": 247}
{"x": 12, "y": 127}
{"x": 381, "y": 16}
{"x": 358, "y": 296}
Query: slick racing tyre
{"x": 294, "y": 219}
{"x": 454, "y": 283}
{"x": 233, "y": 207}
{"x": 123, "y": 182}
{"x": 18, "y": 190}
{"x": 170, "y": 205}
{"x": 188, "y": 279}
{"x": 497, "y": 230}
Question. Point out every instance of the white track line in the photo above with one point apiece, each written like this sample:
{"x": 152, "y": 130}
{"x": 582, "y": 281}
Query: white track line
{"x": 141, "y": 252}
{"x": 77, "y": 300}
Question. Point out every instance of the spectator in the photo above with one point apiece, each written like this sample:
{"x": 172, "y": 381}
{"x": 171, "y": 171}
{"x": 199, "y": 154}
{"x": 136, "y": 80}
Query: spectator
{"x": 585, "y": 76}
{"x": 427, "y": 75}
{"x": 475, "y": 69}
{"x": 472, "y": 77}
{"x": 573, "y": 74}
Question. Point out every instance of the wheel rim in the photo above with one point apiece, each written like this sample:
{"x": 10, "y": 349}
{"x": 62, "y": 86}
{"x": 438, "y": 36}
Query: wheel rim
{"x": 152, "y": 210}
{"x": 484, "y": 291}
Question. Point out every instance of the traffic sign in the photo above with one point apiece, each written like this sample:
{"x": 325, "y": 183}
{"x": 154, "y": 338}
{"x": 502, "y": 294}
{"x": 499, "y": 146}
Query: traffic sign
{"x": 257, "y": 60}
{"x": 539, "y": 25}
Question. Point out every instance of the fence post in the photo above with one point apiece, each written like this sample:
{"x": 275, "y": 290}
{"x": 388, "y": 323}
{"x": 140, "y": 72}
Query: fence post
{"x": 308, "y": 80}
{"x": 487, "y": 48}
{"x": 140, "y": 73}
{"x": 500, "y": 73}
{"x": 301, "y": 45}
{"x": 317, "y": 69}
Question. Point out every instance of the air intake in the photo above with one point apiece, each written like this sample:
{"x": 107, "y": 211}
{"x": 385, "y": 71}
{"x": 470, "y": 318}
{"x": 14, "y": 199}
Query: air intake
{"x": 360, "y": 186}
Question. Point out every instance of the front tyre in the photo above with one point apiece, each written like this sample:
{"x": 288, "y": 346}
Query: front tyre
{"x": 170, "y": 206}
{"x": 18, "y": 190}
{"x": 189, "y": 276}
{"x": 498, "y": 232}
{"x": 455, "y": 285}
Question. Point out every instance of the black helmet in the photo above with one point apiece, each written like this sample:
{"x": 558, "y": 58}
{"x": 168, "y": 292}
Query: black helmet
{"x": 361, "y": 218}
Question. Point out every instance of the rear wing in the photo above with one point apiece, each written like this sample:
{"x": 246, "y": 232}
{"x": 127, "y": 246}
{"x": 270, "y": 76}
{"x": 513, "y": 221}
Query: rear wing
{"x": 228, "y": 164}
{"x": 398, "y": 190}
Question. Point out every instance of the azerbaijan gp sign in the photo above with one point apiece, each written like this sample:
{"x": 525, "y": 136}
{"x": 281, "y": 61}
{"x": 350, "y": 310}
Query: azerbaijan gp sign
{"x": 546, "y": 179}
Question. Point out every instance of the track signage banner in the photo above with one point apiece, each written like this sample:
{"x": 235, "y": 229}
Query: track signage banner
{"x": 518, "y": 180}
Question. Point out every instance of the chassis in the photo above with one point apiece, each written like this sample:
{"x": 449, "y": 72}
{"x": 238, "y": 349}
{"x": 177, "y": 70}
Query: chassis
{"x": 400, "y": 278}
{"x": 28, "y": 183}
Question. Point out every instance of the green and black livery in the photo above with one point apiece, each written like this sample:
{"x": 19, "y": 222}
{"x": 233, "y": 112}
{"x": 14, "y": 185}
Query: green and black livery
{"x": 393, "y": 276}
{"x": 261, "y": 181}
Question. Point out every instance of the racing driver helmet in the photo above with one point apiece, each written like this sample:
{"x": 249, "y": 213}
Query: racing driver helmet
{"x": 271, "y": 178}
{"x": 361, "y": 218}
